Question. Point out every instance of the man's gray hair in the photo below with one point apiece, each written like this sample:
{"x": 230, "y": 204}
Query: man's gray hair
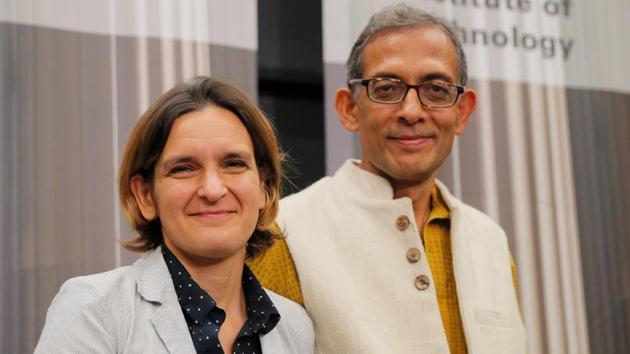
{"x": 399, "y": 17}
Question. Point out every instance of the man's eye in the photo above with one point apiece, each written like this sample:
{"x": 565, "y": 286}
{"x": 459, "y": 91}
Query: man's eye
{"x": 437, "y": 88}
{"x": 386, "y": 88}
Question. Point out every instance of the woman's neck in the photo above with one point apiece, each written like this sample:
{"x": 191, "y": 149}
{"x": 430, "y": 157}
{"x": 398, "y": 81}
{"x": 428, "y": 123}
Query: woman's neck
{"x": 222, "y": 280}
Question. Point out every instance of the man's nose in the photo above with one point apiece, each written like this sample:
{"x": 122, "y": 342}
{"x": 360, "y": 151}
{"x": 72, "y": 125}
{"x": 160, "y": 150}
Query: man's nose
{"x": 411, "y": 109}
{"x": 212, "y": 186}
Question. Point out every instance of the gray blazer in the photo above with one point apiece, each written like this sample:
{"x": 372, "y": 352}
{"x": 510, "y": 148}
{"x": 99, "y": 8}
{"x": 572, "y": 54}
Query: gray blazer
{"x": 134, "y": 309}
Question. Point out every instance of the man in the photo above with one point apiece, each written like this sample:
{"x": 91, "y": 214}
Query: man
{"x": 388, "y": 260}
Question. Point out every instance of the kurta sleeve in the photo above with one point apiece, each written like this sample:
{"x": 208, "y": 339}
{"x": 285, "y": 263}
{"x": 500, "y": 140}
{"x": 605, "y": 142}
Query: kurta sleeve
{"x": 276, "y": 271}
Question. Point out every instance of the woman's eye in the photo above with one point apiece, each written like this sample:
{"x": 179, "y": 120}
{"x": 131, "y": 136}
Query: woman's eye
{"x": 181, "y": 169}
{"x": 235, "y": 164}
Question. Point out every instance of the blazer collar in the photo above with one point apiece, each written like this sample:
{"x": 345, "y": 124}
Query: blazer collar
{"x": 156, "y": 286}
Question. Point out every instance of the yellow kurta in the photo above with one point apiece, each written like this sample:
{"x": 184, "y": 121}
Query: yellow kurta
{"x": 276, "y": 271}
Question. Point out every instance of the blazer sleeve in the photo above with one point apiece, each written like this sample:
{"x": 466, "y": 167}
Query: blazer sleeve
{"x": 77, "y": 322}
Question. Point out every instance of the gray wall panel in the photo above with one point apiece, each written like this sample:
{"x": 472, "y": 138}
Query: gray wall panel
{"x": 235, "y": 65}
{"x": 340, "y": 144}
{"x": 63, "y": 221}
{"x": 600, "y": 136}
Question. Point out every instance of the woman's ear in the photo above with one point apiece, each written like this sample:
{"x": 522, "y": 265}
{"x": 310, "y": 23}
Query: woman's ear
{"x": 346, "y": 109}
{"x": 142, "y": 194}
{"x": 263, "y": 195}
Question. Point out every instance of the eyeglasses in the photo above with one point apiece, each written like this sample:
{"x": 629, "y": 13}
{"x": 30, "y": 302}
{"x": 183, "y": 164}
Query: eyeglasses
{"x": 432, "y": 94}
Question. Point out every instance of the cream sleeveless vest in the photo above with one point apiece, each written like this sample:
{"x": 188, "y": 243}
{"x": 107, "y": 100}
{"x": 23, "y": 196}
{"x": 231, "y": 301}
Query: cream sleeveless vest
{"x": 350, "y": 239}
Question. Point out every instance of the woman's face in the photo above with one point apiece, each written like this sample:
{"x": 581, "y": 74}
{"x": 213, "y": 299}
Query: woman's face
{"x": 207, "y": 191}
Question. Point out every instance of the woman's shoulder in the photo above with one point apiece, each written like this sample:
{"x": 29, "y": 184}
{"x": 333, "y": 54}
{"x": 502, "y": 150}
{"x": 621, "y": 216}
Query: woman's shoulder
{"x": 118, "y": 283}
{"x": 287, "y": 307}
{"x": 295, "y": 325}
{"x": 100, "y": 285}
{"x": 82, "y": 313}
{"x": 94, "y": 294}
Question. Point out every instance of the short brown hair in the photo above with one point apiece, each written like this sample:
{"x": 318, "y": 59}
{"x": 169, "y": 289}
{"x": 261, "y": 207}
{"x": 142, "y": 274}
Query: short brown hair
{"x": 400, "y": 17}
{"x": 149, "y": 136}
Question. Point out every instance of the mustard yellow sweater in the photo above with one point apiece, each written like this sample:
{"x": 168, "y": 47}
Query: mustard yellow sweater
{"x": 276, "y": 271}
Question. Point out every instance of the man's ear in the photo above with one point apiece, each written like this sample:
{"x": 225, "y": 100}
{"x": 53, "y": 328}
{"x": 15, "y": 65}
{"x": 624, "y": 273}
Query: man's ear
{"x": 346, "y": 109}
{"x": 142, "y": 194}
{"x": 465, "y": 108}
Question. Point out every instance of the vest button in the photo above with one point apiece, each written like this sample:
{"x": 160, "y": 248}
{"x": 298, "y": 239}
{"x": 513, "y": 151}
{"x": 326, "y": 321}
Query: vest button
{"x": 413, "y": 255}
{"x": 422, "y": 282}
{"x": 402, "y": 222}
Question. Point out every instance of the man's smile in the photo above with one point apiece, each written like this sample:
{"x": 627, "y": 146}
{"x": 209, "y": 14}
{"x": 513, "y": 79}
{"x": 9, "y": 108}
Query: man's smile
{"x": 411, "y": 140}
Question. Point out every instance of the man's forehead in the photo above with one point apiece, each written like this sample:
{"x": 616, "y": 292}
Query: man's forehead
{"x": 412, "y": 32}
{"x": 416, "y": 49}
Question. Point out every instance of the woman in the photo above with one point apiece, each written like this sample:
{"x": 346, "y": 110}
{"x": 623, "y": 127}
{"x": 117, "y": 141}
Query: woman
{"x": 199, "y": 182}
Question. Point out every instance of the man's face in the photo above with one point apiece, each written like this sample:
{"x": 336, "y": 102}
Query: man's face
{"x": 406, "y": 142}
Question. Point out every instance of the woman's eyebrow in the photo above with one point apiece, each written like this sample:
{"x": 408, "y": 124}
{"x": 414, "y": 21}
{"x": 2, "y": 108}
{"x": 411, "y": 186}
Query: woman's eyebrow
{"x": 178, "y": 159}
{"x": 234, "y": 154}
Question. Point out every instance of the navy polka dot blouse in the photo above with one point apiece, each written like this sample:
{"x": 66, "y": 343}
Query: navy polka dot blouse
{"x": 204, "y": 317}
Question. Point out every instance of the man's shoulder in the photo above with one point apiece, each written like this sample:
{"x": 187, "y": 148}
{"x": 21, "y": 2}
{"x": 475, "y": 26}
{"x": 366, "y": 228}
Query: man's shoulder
{"x": 474, "y": 220}
{"x": 479, "y": 216}
{"x": 469, "y": 214}
{"x": 306, "y": 195}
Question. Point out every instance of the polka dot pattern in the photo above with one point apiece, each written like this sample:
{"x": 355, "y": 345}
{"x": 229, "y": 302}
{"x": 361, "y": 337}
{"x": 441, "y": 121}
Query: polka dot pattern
{"x": 204, "y": 318}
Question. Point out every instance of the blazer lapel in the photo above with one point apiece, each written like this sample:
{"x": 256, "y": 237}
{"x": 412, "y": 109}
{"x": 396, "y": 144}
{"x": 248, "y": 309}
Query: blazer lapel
{"x": 171, "y": 330}
{"x": 155, "y": 286}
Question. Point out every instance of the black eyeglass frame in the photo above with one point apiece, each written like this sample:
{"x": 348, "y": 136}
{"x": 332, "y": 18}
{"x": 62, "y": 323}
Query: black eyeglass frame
{"x": 366, "y": 82}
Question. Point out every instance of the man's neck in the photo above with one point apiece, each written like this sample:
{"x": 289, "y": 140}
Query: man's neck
{"x": 419, "y": 191}
{"x": 420, "y": 195}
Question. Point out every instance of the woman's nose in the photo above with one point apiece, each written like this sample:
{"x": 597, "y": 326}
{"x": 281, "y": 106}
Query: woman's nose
{"x": 212, "y": 186}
